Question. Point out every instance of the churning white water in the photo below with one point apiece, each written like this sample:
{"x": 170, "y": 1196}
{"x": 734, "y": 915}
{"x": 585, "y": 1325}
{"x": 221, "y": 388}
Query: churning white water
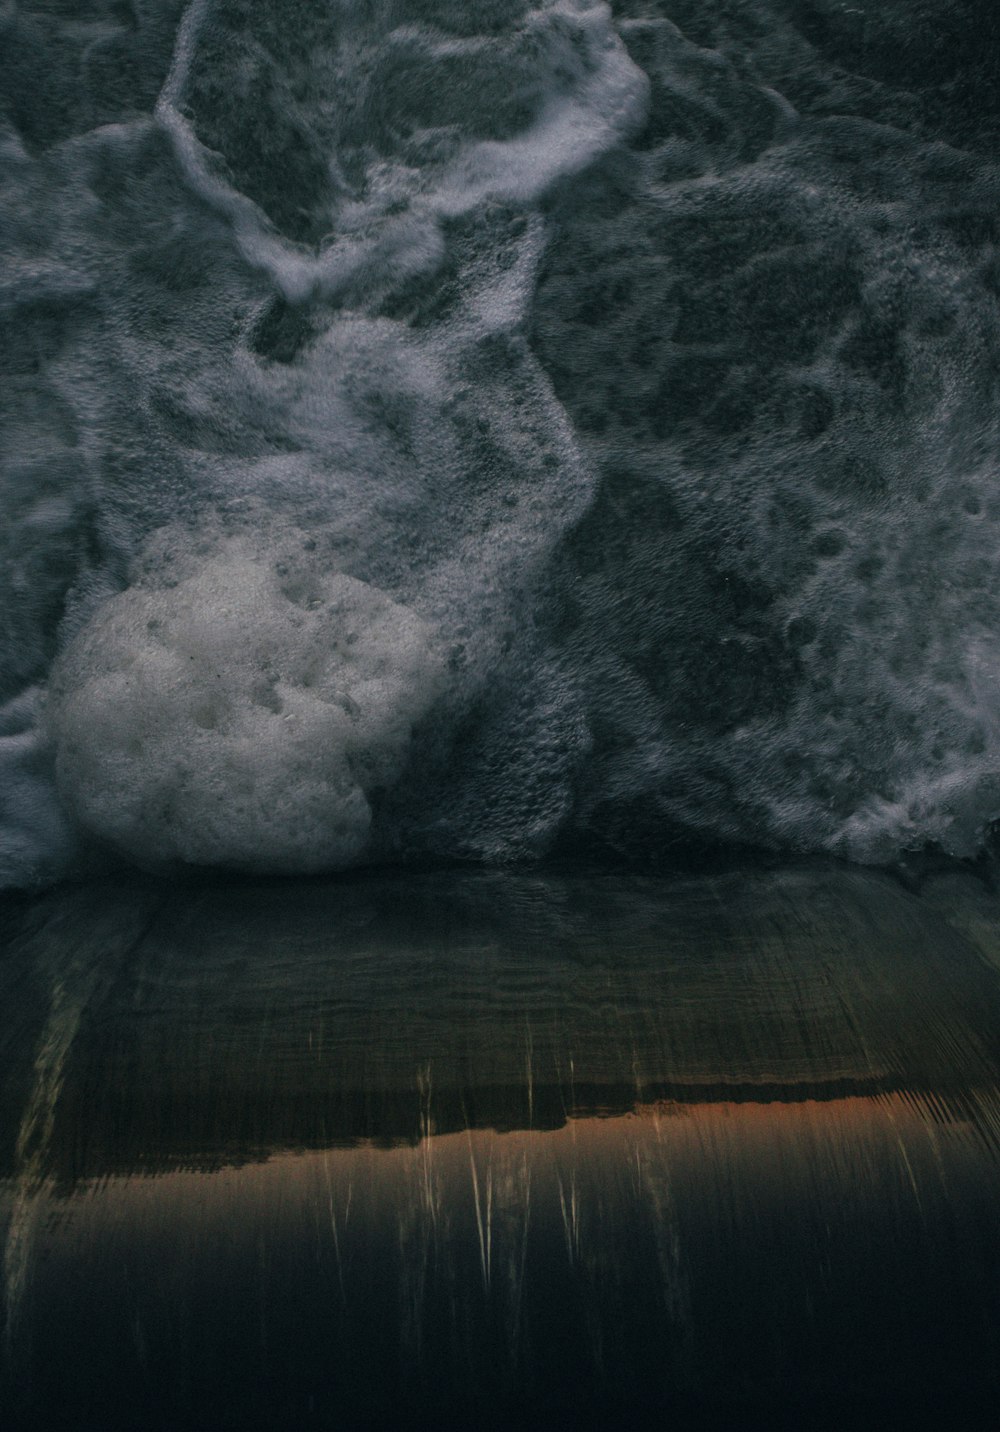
{"x": 473, "y": 430}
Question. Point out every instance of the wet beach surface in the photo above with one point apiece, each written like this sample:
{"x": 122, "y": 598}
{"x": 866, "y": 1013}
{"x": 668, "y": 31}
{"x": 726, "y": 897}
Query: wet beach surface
{"x": 502, "y": 1150}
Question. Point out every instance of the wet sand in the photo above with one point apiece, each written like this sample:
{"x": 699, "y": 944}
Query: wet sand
{"x": 501, "y": 1150}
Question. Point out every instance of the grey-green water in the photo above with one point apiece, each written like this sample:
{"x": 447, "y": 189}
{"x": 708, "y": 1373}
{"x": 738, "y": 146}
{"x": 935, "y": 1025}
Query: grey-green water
{"x": 473, "y": 430}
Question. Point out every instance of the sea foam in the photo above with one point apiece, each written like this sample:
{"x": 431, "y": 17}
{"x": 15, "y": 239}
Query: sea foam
{"x": 241, "y": 712}
{"x": 625, "y": 386}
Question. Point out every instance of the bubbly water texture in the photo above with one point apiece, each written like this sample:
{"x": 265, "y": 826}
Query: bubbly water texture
{"x": 450, "y": 429}
{"x": 247, "y": 706}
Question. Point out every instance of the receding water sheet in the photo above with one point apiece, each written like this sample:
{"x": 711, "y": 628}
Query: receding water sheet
{"x": 465, "y": 1149}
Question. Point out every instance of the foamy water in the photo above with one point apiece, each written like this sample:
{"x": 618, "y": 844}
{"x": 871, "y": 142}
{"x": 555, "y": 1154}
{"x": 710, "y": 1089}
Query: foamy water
{"x": 477, "y": 430}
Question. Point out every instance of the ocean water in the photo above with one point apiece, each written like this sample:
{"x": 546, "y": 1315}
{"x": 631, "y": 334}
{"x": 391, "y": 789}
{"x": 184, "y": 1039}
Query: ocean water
{"x": 438, "y": 1150}
{"x": 480, "y": 431}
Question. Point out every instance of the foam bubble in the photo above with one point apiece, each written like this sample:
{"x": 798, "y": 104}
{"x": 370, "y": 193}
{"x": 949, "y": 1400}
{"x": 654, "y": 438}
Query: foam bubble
{"x": 242, "y": 713}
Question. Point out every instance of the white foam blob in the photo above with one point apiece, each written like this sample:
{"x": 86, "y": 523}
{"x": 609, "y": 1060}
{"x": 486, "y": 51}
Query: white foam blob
{"x": 242, "y": 714}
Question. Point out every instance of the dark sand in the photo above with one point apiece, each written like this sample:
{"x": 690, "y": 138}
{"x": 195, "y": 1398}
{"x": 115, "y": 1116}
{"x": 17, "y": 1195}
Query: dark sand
{"x": 461, "y": 1150}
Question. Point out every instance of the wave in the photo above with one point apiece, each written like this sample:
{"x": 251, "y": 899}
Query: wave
{"x": 473, "y": 431}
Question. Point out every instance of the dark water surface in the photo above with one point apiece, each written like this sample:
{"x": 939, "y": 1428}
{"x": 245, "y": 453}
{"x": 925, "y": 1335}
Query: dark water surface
{"x": 497, "y": 1150}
